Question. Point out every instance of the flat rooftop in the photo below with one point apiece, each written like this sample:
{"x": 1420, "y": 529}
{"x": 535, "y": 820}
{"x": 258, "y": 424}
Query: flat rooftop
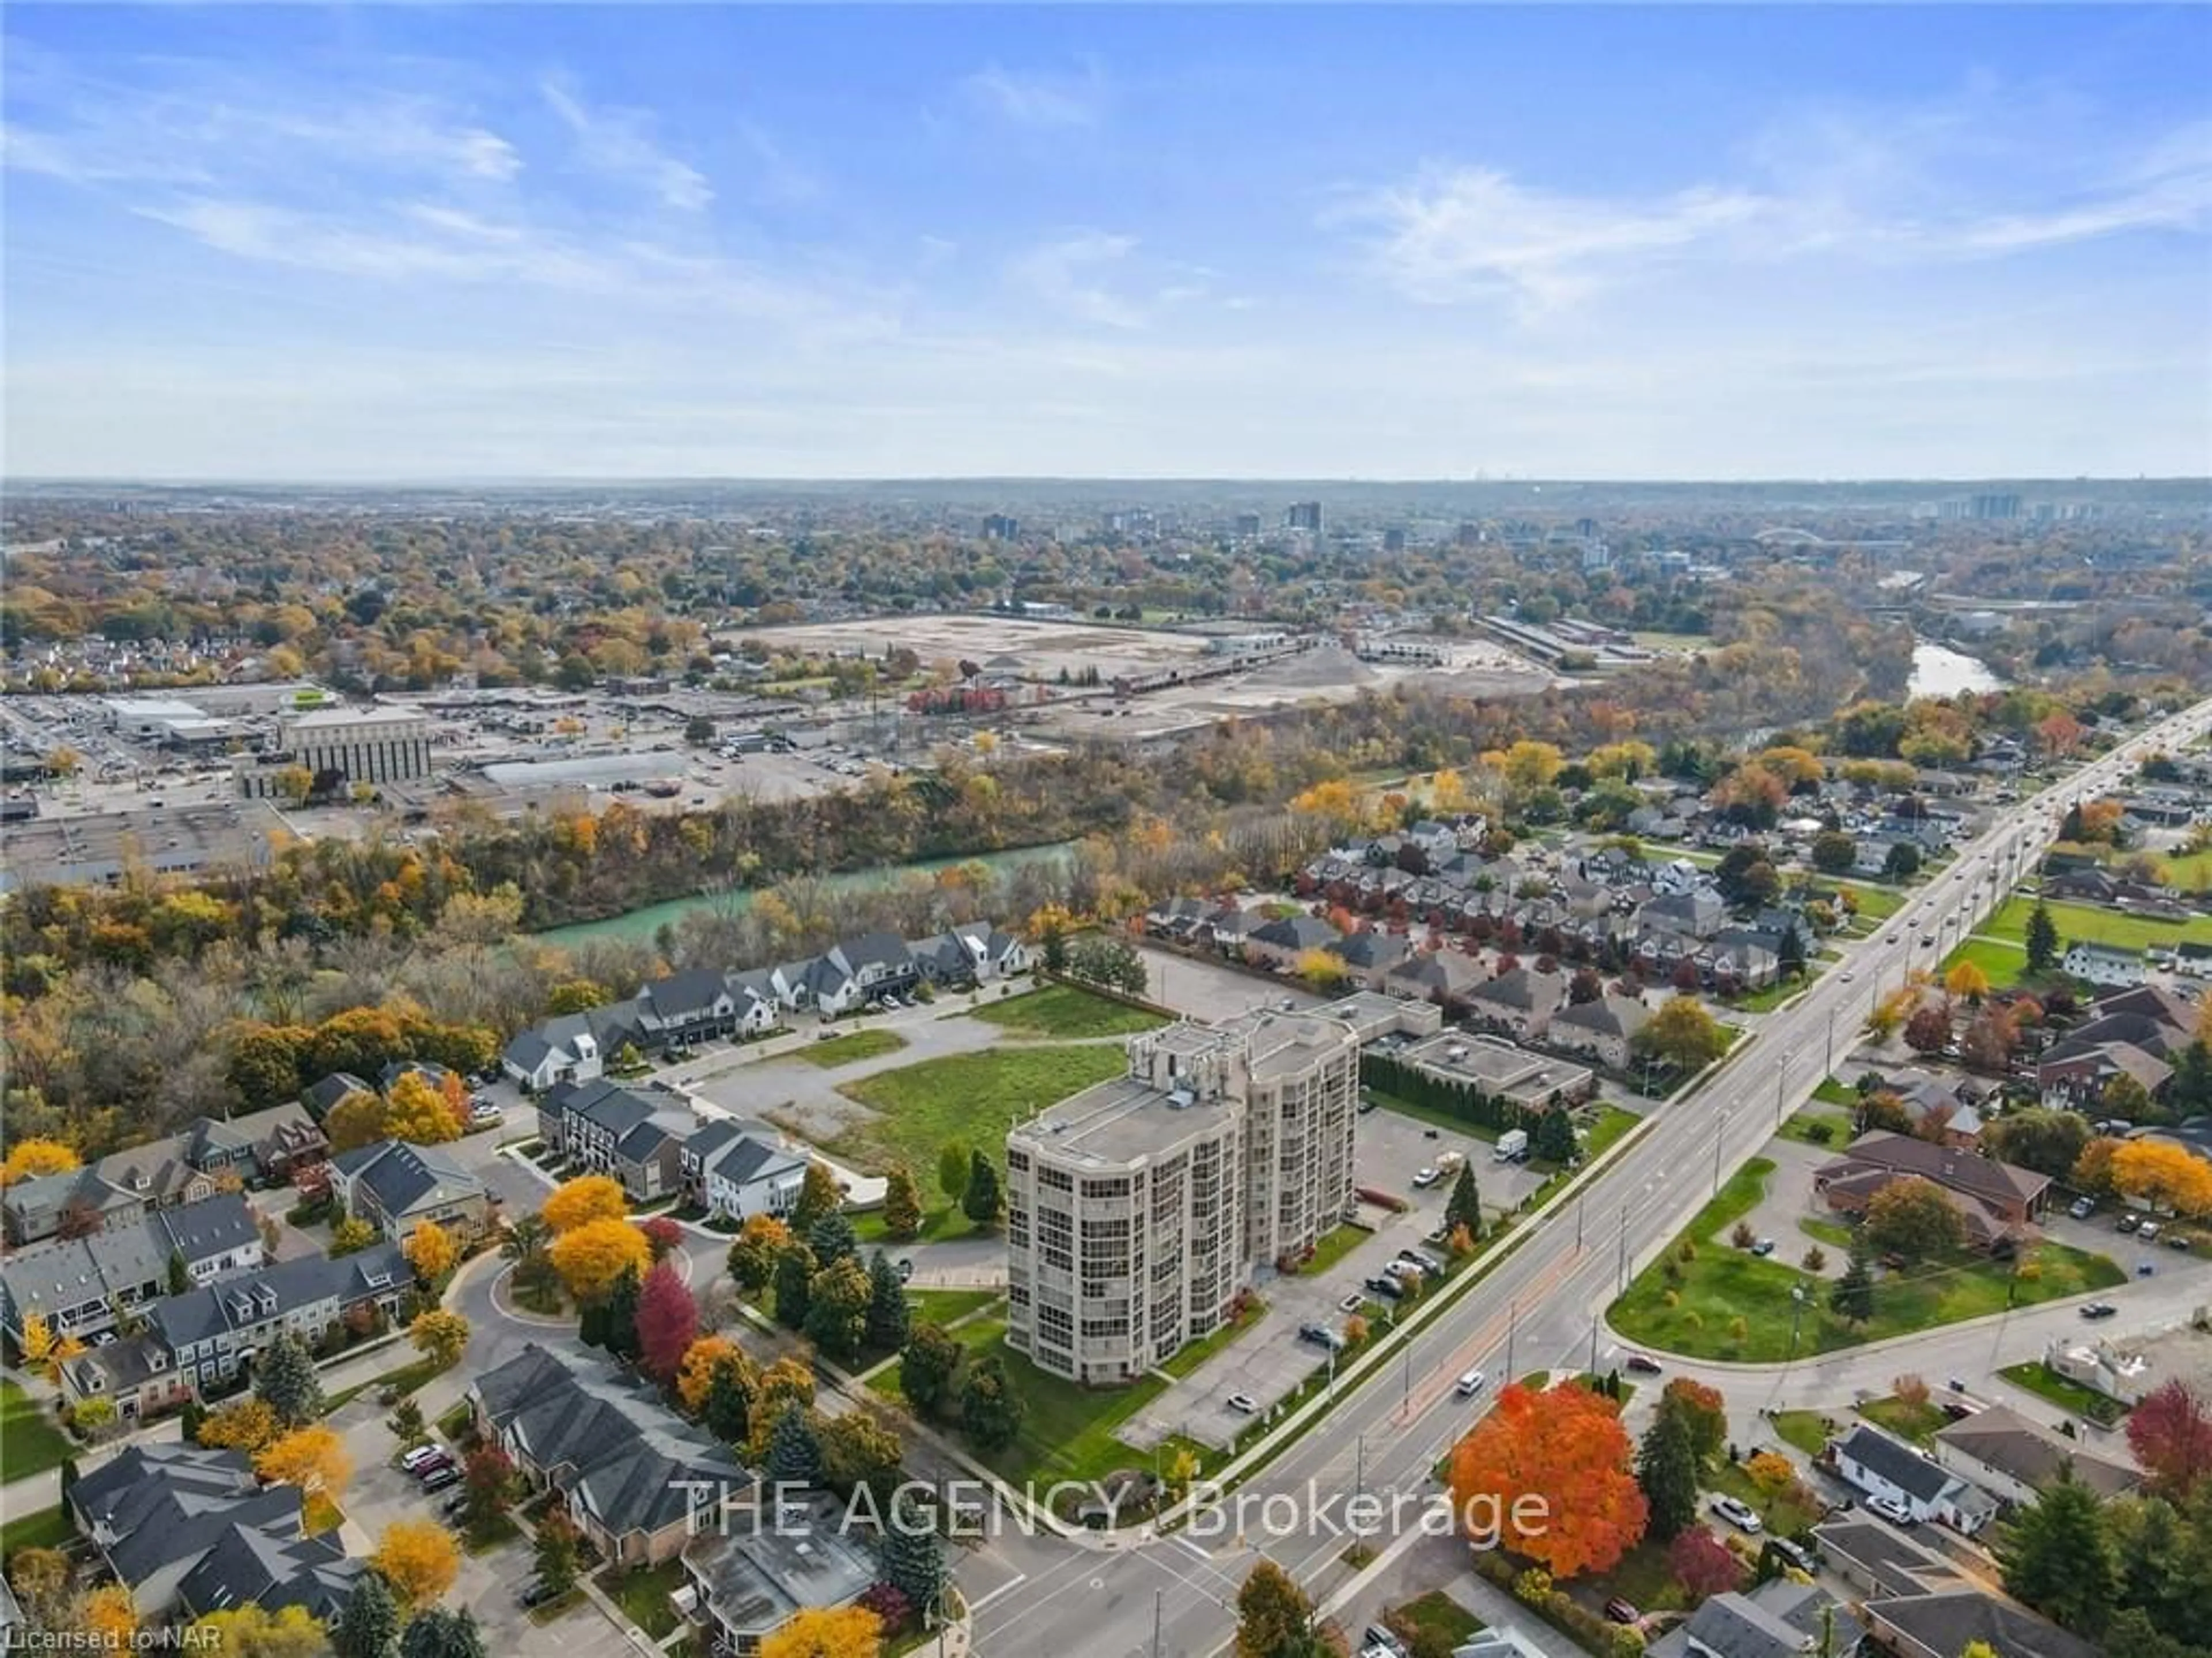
{"x": 1491, "y": 1064}
{"x": 1279, "y": 1043}
{"x": 1120, "y": 1120}
{"x": 323, "y": 719}
{"x": 757, "y": 1578}
{"x": 95, "y": 848}
{"x": 601, "y": 768}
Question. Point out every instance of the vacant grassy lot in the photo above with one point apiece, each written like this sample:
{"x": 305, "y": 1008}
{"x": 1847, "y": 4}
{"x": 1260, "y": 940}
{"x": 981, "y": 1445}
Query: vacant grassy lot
{"x": 1436, "y": 1616}
{"x": 2103, "y": 926}
{"x": 1875, "y": 903}
{"x": 29, "y": 1441}
{"x": 2003, "y": 962}
{"x": 943, "y": 1306}
{"x": 855, "y": 1045}
{"x": 1916, "y": 1424}
{"x": 2045, "y": 1383}
{"x": 973, "y": 1098}
{"x": 2191, "y": 871}
{"x": 1724, "y": 1285}
{"x": 1066, "y": 1011}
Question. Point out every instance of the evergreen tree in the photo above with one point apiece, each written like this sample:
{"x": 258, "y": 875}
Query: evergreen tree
{"x": 794, "y": 1450}
{"x": 930, "y": 1360}
{"x": 888, "y": 1316}
{"x": 369, "y": 1626}
{"x": 1852, "y": 1296}
{"x": 831, "y": 1240}
{"x": 284, "y": 1380}
{"x": 1464, "y": 1206}
{"x": 981, "y": 1201}
{"x": 621, "y": 1340}
{"x": 68, "y": 1480}
{"x": 180, "y": 1275}
{"x": 1554, "y": 1138}
{"x": 438, "y": 1633}
{"x": 2057, "y": 1556}
{"x": 794, "y": 1271}
{"x": 2042, "y": 938}
{"x": 591, "y": 1324}
{"x": 1666, "y": 1469}
{"x": 189, "y": 1420}
{"x": 914, "y": 1553}
{"x": 901, "y": 1206}
{"x": 990, "y": 1410}
{"x": 727, "y": 1408}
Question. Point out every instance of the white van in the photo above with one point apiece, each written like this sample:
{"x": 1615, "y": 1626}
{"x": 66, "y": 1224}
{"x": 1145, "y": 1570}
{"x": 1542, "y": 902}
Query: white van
{"x": 1471, "y": 1384}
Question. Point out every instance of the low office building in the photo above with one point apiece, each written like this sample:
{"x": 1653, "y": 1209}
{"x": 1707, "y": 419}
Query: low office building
{"x": 1138, "y": 1208}
{"x": 1494, "y": 1066}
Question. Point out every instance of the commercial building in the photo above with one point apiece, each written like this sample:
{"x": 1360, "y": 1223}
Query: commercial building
{"x": 1137, "y": 1209}
{"x": 361, "y": 746}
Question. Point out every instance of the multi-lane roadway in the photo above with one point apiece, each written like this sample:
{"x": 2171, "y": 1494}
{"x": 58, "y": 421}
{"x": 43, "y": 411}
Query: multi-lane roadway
{"x": 1539, "y": 1308}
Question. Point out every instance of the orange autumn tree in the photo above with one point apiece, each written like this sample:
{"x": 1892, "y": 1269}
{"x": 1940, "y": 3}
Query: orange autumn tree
{"x": 1565, "y": 1448}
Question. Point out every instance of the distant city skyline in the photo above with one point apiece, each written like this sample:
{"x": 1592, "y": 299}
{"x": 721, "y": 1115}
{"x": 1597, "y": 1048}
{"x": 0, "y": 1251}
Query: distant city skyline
{"x": 392, "y": 243}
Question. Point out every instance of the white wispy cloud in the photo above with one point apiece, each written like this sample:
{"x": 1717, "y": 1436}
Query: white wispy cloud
{"x": 1835, "y": 188}
{"x": 617, "y": 143}
{"x": 1040, "y": 98}
{"x": 1071, "y": 274}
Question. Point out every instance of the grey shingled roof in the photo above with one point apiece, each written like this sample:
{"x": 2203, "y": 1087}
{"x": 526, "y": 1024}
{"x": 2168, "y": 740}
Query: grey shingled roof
{"x": 401, "y": 1176}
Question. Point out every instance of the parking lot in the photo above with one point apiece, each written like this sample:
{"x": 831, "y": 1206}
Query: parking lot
{"x": 1393, "y": 1147}
{"x": 1210, "y": 991}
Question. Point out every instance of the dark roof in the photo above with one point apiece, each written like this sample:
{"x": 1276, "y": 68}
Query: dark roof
{"x": 401, "y": 1176}
{"x": 153, "y": 1507}
{"x": 1368, "y": 949}
{"x": 602, "y": 1437}
{"x": 694, "y": 991}
{"x": 750, "y": 1158}
{"x": 1948, "y": 1622}
{"x": 1896, "y": 1461}
{"x": 254, "y": 1298}
{"x": 1955, "y": 1171}
{"x": 325, "y": 1092}
{"x": 1296, "y": 933}
{"x": 2001, "y": 1438}
{"x": 1522, "y": 988}
{"x": 66, "y": 1273}
{"x": 1897, "y": 1565}
{"x": 1608, "y": 1016}
{"x": 254, "y": 1563}
{"x": 882, "y": 949}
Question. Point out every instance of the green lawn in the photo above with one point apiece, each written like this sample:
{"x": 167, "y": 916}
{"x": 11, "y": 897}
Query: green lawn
{"x": 1436, "y": 1616}
{"x": 1067, "y": 1432}
{"x": 1724, "y": 1284}
{"x": 1612, "y": 1123}
{"x": 2039, "y": 1379}
{"x": 2190, "y": 871}
{"x": 1784, "y": 1517}
{"x": 1643, "y": 1578}
{"x": 643, "y": 1595}
{"x": 1066, "y": 1011}
{"x": 1333, "y": 1246}
{"x": 2104, "y": 927}
{"x": 29, "y": 1441}
{"x": 48, "y": 1528}
{"x": 1806, "y": 1429}
{"x": 1187, "y": 1362}
{"x": 1833, "y": 1233}
{"x": 406, "y": 1379}
{"x": 1766, "y": 1000}
{"x": 853, "y": 1045}
{"x": 1916, "y": 1424}
{"x": 1875, "y": 903}
{"x": 945, "y": 1221}
{"x": 943, "y": 1306}
{"x": 2003, "y": 962}
{"x": 973, "y": 1098}
{"x": 1833, "y": 1090}
{"x": 1800, "y": 1128}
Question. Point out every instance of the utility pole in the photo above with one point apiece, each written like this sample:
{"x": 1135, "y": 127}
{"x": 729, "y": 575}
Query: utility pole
{"x": 1579, "y": 1203}
{"x": 1512, "y": 1328}
{"x": 1593, "y": 1359}
{"x": 1781, "y": 1077}
{"x": 1620, "y": 1260}
{"x": 1406, "y": 1393}
{"x": 1719, "y": 1127}
{"x": 1157, "y": 1596}
{"x": 1359, "y": 1467}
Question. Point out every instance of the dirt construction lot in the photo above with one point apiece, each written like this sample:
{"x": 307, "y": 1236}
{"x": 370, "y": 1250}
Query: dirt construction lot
{"x": 1044, "y": 647}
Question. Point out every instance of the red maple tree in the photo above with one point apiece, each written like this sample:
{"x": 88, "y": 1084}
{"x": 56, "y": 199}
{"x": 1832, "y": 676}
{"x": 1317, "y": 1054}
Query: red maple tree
{"x": 1551, "y": 1472}
{"x": 663, "y": 1234}
{"x": 667, "y": 1321}
{"x": 2171, "y": 1434}
{"x": 1702, "y": 1564}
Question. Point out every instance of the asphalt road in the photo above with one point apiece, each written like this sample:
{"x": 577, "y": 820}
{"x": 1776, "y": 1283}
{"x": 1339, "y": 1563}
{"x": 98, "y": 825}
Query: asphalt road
{"x": 1539, "y": 1308}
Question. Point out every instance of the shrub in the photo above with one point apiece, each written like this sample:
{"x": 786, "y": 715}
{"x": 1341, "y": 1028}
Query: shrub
{"x": 1689, "y": 1252}
{"x": 1821, "y": 1132}
{"x": 1743, "y": 1238}
{"x": 1669, "y": 1300}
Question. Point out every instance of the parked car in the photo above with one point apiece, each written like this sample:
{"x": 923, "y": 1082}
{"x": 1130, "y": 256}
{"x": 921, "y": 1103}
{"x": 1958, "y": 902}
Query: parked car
{"x": 2148, "y": 1231}
{"x": 2082, "y": 1208}
{"x": 1764, "y": 1248}
{"x": 1737, "y": 1514}
{"x": 1428, "y": 1263}
{"x": 905, "y": 1268}
{"x": 1640, "y": 1364}
{"x": 1242, "y": 1404}
{"x": 423, "y": 1458}
{"x": 536, "y": 1593}
{"x": 2127, "y": 1223}
{"x": 2146, "y": 1269}
{"x": 1618, "y": 1610}
{"x": 1388, "y": 1288}
{"x": 438, "y": 1478}
{"x": 2180, "y": 1241}
{"x": 1892, "y": 1511}
{"x": 1790, "y": 1552}
{"x": 2099, "y": 1309}
{"x": 1321, "y": 1336}
{"x": 1424, "y": 1178}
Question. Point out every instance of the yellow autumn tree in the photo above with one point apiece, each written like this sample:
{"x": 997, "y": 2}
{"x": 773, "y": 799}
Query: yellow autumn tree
{"x": 254, "y": 1632}
{"x": 417, "y": 1113}
{"x": 430, "y": 1251}
{"x": 111, "y": 1616}
{"x": 701, "y": 1360}
{"x": 2164, "y": 1175}
{"x": 313, "y": 1458}
{"x": 418, "y": 1559}
{"x": 439, "y": 1336}
{"x": 590, "y": 1257}
{"x": 827, "y": 1632}
{"x": 244, "y": 1424}
{"x": 29, "y": 1159}
{"x": 584, "y": 1199}
{"x": 355, "y": 1121}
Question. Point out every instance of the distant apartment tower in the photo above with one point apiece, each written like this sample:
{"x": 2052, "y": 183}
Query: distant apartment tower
{"x": 1137, "y": 1209}
{"x": 1393, "y": 541}
{"x": 1303, "y": 515}
{"x": 362, "y": 745}
{"x": 1000, "y": 527}
{"x": 1247, "y": 525}
{"x": 1467, "y": 535}
{"x": 1994, "y": 506}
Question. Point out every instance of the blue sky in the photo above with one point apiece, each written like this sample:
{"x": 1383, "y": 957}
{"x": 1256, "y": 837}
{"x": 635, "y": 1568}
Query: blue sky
{"x": 400, "y": 241}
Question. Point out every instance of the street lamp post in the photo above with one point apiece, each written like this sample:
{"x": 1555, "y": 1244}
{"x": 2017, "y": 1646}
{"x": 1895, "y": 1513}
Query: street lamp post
{"x": 1620, "y": 1259}
{"x": 1512, "y": 1328}
{"x": 1719, "y": 1127}
{"x": 1781, "y": 1079}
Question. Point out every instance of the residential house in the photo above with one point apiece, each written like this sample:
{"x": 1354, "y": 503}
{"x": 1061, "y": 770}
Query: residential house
{"x": 212, "y": 1335}
{"x": 435, "y": 1077}
{"x": 741, "y": 1171}
{"x": 749, "y": 1585}
{"x": 573, "y": 1047}
{"x": 1603, "y": 1029}
{"x": 639, "y": 1481}
{"x": 266, "y": 1567}
{"x": 686, "y": 1008}
{"x": 2017, "y": 1458}
{"x": 1945, "y": 1624}
{"x": 1880, "y": 1561}
{"x": 825, "y": 984}
{"x": 1744, "y": 957}
{"x": 2137, "y": 1032}
{"x": 636, "y": 1138}
{"x": 1281, "y": 943}
{"x": 1779, "y": 1618}
{"x": 1998, "y": 1200}
{"x": 319, "y": 1097}
{"x": 84, "y": 1287}
{"x": 1368, "y": 956}
{"x": 263, "y": 1148}
{"x": 1441, "y": 976}
{"x": 997, "y": 953}
{"x": 1696, "y": 913}
{"x": 1519, "y": 1002}
{"x": 136, "y": 1374}
{"x": 396, "y": 1186}
{"x": 1873, "y": 1462}
{"x": 35, "y": 1209}
{"x": 156, "y": 1513}
{"x": 2103, "y": 964}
